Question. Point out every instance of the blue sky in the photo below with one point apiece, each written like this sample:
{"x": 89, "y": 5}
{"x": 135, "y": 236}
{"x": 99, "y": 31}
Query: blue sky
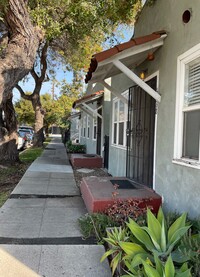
{"x": 61, "y": 74}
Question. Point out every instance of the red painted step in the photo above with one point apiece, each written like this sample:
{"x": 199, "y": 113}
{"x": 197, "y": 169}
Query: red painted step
{"x": 86, "y": 160}
{"x": 97, "y": 193}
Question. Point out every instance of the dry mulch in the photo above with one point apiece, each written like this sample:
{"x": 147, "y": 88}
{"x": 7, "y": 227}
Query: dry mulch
{"x": 11, "y": 175}
{"x": 99, "y": 172}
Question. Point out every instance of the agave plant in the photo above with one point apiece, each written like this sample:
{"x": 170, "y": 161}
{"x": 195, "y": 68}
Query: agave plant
{"x": 158, "y": 270}
{"x": 166, "y": 270}
{"x": 154, "y": 244}
{"x": 115, "y": 236}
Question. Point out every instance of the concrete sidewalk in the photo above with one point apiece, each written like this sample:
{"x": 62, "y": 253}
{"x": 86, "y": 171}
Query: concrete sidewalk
{"x": 39, "y": 232}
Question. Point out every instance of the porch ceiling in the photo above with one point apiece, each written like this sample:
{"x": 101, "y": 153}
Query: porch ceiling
{"x": 131, "y": 54}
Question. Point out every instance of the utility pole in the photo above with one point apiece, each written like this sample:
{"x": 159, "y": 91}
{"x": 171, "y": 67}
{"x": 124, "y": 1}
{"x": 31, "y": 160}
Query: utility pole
{"x": 53, "y": 90}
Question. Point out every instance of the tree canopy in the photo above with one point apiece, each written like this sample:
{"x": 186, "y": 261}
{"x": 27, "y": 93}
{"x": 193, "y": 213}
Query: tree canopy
{"x": 73, "y": 29}
{"x": 77, "y": 28}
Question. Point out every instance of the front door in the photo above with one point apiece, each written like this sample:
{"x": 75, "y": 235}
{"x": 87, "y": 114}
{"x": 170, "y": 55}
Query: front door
{"x": 106, "y": 151}
{"x": 140, "y": 135}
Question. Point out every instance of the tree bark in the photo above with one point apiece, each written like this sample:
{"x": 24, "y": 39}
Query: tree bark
{"x": 39, "y": 122}
{"x": 18, "y": 60}
{"x": 21, "y": 49}
{"x": 35, "y": 98}
{"x": 39, "y": 113}
{"x": 9, "y": 139}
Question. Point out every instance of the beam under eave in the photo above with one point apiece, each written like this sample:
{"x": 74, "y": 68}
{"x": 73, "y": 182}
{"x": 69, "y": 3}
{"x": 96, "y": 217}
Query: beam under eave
{"x": 137, "y": 80}
{"x": 91, "y": 110}
{"x": 114, "y": 91}
{"x": 86, "y": 111}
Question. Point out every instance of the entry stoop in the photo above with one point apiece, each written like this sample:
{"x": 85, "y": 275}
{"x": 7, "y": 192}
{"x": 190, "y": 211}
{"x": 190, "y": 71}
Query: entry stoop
{"x": 97, "y": 193}
{"x": 86, "y": 160}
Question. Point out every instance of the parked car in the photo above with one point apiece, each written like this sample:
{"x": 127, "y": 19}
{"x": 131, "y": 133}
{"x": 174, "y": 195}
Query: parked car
{"x": 27, "y": 128}
{"x": 28, "y": 131}
{"x": 22, "y": 140}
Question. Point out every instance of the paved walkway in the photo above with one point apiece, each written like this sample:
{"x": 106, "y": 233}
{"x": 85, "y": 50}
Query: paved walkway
{"x": 39, "y": 232}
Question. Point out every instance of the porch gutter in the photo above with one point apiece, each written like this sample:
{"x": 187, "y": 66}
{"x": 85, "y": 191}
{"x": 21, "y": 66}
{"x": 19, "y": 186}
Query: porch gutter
{"x": 130, "y": 74}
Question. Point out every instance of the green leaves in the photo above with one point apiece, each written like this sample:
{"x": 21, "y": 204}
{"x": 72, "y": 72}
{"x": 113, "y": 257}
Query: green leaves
{"x": 169, "y": 268}
{"x": 179, "y": 223}
{"x": 116, "y": 236}
{"x": 140, "y": 234}
{"x": 150, "y": 271}
{"x": 155, "y": 236}
{"x": 151, "y": 249}
{"x": 79, "y": 28}
{"x": 131, "y": 249}
{"x": 166, "y": 270}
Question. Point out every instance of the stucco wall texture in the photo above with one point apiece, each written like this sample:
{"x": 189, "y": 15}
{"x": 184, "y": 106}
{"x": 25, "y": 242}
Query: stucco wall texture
{"x": 178, "y": 184}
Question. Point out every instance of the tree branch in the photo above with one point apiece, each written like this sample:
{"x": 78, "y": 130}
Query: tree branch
{"x": 34, "y": 75}
{"x": 43, "y": 61}
{"x": 22, "y": 93}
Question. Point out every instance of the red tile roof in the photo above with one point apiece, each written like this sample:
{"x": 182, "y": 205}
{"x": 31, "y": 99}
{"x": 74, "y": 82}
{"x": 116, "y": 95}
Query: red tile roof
{"x": 99, "y": 57}
{"x": 88, "y": 98}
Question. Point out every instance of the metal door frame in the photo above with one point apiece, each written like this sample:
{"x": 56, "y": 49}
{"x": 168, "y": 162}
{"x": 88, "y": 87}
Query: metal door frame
{"x": 134, "y": 150}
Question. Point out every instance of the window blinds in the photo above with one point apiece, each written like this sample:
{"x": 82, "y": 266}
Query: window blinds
{"x": 193, "y": 95}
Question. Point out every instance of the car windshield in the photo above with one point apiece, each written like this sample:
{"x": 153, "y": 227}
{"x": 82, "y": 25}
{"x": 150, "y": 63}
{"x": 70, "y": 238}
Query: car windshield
{"x": 22, "y": 133}
{"x": 25, "y": 131}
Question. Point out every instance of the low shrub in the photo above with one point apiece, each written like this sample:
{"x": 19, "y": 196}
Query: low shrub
{"x": 75, "y": 148}
{"x": 190, "y": 246}
{"x": 94, "y": 225}
{"x": 121, "y": 210}
{"x": 189, "y": 243}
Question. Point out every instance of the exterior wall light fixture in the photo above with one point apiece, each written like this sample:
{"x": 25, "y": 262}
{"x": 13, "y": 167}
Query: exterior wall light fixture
{"x": 143, "y": 74}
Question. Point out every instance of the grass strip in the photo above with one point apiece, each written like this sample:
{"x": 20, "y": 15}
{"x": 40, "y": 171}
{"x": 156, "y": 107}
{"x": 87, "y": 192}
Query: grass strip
{"x": 10, "y": 176}
{"x": 3, "y": 197}
{"x": 30, "y": 154}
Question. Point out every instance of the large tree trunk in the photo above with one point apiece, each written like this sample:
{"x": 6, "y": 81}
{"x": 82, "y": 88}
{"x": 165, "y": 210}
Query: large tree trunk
{"x": 39, "y": 122}
{"x": 17, "y": 62}
{"x": 9, "y": 139}
{"x": 22, "y": 46}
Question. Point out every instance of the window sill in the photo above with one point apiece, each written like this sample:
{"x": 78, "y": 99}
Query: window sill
{"x": 188, "y": 163}
{"x": 119, "y": 146}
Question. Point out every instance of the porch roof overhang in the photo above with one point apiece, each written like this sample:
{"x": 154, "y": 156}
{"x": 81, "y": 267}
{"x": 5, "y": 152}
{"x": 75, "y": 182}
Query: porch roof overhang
{"x": 125, "y": 58}
{"x": 83, "y": 102}
{"x": 74, "y": 115}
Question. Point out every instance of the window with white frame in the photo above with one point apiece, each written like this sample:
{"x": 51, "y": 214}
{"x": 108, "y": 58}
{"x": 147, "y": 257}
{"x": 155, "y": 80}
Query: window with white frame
{"x": 95, "y": 128}
{"x": 187, "y": 134}
{"x": 88, "y": 126}
{"x": 119, "y": 121}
